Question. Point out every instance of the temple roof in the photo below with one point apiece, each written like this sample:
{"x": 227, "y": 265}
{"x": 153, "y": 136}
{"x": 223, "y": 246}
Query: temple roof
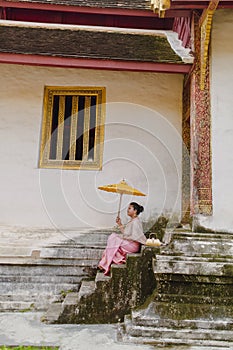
{"x": 113, "y": 31}
{"x": 124, "y": 4}
{"x": 89, "y": 42}
{"x": 120, "y": 34}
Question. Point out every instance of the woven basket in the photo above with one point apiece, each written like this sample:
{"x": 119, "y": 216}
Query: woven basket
{"x": 153, "y": 241}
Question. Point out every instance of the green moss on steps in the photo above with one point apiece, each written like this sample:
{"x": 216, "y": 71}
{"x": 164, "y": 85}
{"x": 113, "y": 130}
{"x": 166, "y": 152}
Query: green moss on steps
{"x": 113, "y": 298}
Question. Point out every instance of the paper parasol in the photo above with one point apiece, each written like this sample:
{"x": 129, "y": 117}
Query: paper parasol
{"x": 122, "y": 188}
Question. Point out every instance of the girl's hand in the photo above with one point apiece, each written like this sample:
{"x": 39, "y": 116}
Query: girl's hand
{"x": 118, "y": 221}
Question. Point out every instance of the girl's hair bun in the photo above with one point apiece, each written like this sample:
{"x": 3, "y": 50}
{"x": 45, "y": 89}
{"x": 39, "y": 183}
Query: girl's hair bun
{"x": 137, "y": 207}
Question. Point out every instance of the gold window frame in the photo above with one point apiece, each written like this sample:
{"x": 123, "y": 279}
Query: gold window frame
{"x": 75, "y": 92}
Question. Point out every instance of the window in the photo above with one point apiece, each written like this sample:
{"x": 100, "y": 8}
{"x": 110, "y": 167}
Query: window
{"x": 73, "y": 127}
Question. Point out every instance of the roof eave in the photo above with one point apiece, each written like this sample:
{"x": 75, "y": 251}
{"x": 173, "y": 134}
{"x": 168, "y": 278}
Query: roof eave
{"x": 67, "y": 62}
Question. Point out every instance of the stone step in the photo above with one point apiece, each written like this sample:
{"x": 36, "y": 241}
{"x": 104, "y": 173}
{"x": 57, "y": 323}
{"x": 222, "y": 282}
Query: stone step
{"x": 189, "y": 266}
{"x": 10, "y": 306}
{"x": 184, "y": 334}
{"x": 41, "y": 279}
{"x": 43, "y": 270}
{"x": 200, "y": 236}
{"x": 24, "y": 245}
{"x": 115, "y": 269}
{"x": 71, "y": 299}
{"x": 194, "y": 299}
{"x": 205, "y": 245}
{"x": 67, "y": 306}
{"x": 79, "y": 252}
{"x": 54, "y": 238}
{"x": 179, "y": 312}
{"x": 52, "y": 313}
{"x": 171, "y": 342}
{"x": 26, "y": 302}
{"x": 100, "y": 278}
{"x": 88, "y": 238}
{"x": 32, "y": 288}
{"x": 29, "y": 262}
{"x": 192, "y": 311}
{"x": 14, "y": 250}
{"x": 195, "y": 285}
{"x": 193, "y": 259}
{"x": 87, "y": 288}
{"x": 141, "y": 319}
{"x": 16, "y": 297}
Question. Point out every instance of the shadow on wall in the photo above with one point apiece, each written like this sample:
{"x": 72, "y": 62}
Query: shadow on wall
{"x": 158, "y": 227}
{"x": 164, "y": 225}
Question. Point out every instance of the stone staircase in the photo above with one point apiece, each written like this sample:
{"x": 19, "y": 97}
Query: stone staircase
{"x": 108, "y": 298}
{"x": 193, "y": 301}
{"x": 37, "y": 269}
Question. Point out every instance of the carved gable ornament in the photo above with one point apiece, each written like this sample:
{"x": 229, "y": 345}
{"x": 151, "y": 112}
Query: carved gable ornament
{"x": 205, "y": 24}
{"x": 160, "y": 6}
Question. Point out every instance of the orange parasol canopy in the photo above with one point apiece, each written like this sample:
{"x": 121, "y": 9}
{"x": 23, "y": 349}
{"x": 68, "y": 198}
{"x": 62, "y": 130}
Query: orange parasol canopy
{"x": 122, "y": 188}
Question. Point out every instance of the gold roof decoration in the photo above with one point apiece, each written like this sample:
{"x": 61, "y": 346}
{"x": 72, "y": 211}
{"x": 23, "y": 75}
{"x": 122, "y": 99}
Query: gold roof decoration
{"x": 160, "y": 6}
{"x": 206, "y": 25}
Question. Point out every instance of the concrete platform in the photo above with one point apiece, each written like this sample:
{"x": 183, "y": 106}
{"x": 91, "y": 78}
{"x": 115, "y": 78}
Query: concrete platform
{"x": 26, "y": 329}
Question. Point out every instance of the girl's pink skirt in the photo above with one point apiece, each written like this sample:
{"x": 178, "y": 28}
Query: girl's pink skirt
{"x": 116, "y": 250}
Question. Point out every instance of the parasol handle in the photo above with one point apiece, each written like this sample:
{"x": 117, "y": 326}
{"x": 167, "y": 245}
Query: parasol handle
{"x": 119, "y": 209}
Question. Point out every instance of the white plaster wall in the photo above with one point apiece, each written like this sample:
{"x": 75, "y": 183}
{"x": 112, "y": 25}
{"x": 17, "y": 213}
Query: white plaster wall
{"x": 222, "y": 122}
{"x": 142, "y": 144}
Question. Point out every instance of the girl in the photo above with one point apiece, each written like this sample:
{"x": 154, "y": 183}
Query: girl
{"x": 129, "y": 241}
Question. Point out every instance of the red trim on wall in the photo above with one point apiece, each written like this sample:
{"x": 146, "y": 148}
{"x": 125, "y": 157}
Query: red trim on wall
{"x": 36, "y": 60}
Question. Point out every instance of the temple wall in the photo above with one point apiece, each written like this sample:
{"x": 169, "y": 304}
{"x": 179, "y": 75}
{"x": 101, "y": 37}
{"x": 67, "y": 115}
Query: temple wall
{"x": 222, "y": 123}
{"x": 142, "y": 144}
